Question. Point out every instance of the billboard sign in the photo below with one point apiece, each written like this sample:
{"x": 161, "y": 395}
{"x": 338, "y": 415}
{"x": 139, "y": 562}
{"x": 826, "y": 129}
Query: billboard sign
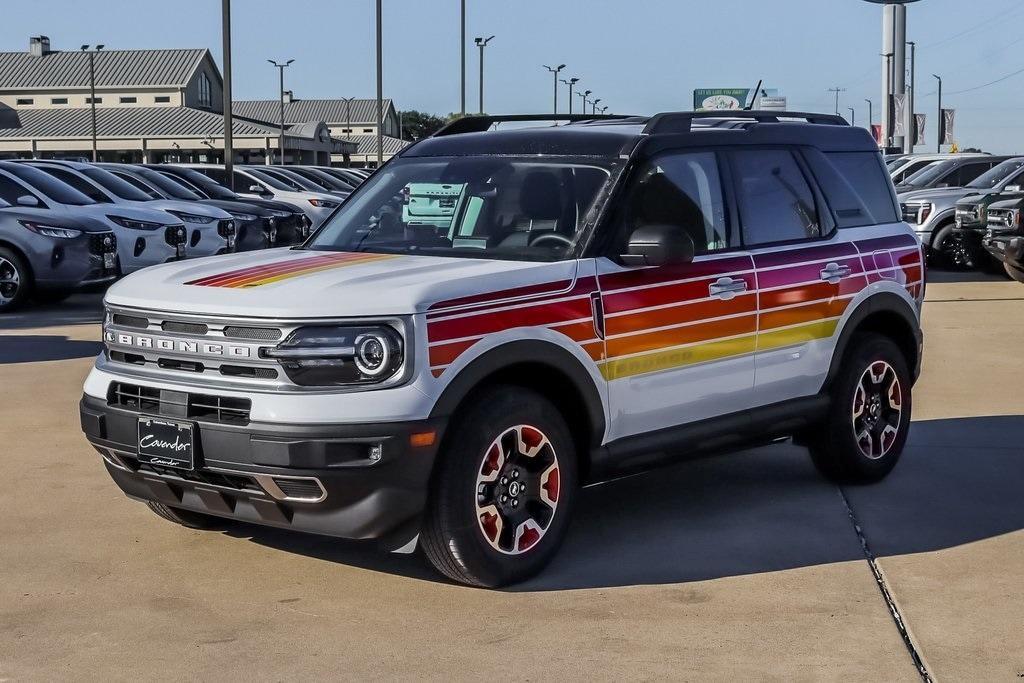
{"x": 710, "y": 99}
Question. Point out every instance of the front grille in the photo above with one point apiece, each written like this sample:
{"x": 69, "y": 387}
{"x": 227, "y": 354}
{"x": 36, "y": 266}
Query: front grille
{"x": 226, "y": 228}
{"x": 175, "y": 235}
{"x": 179, "y": 404}
{"x": 184, "y": 328}
{"x": 224, "y": 480}
{"x": 307, "y": 489}
{"x": 132, "y": 321}
{"x": 102, "y": 243}
{"x": 252, "y": 333}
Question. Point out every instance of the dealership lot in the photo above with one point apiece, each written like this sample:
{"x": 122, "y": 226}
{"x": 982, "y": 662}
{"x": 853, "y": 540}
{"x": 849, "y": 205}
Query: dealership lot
{"x": 743, "y": 566}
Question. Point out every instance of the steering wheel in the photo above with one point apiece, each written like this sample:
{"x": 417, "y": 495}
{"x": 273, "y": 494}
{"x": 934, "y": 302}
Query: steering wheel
{"x": 553, "y": 236}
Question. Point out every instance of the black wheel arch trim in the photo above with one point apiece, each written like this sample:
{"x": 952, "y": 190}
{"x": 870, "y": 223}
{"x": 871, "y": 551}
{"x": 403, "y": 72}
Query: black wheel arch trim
{"x": 883, "y": 302}
{"x": 522, "y": 352}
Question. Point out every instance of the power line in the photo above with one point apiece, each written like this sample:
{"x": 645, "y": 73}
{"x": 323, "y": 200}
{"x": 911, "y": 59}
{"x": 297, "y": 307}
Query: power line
{"x": 979, "y": 87}
{"x": 1013, "y": 9}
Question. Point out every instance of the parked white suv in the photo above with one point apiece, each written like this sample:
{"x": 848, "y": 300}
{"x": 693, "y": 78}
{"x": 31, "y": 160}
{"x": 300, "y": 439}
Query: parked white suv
{"x": 644, "y": 290}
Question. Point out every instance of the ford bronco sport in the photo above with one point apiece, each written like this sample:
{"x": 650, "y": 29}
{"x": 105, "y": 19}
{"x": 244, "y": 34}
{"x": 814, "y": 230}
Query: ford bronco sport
{"x": 571, "y": 303}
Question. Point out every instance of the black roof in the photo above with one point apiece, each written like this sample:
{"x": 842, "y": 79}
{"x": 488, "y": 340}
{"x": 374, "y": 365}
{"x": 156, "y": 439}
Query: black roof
{"x": 615, "y": 135}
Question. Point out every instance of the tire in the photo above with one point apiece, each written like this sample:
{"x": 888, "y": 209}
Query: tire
{"x": 187, "y": 518}
{"x": 15, "y": 280}
{"x": 872, "y": 396}
{"x": 51, "y": 296}
{"x": 474, "y": 531}
{"x": 948, "y": 250}
{"x": 1013, "y": 272}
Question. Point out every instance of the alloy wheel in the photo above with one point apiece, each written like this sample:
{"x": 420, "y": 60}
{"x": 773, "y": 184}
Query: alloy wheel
{"x": 877, "y": 410}
{"x": 517, "y": 489}
{"x": 10, "y": 281}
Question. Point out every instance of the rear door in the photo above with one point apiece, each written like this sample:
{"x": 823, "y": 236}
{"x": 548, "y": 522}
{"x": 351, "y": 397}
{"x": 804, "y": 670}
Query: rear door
{"x": 679, "y": 339}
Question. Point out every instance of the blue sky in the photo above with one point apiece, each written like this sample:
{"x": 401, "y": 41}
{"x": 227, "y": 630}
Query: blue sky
{"x": 640, "y": 56}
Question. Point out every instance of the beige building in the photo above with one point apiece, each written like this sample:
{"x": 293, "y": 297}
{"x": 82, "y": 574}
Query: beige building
{"x": 166, "y": 105}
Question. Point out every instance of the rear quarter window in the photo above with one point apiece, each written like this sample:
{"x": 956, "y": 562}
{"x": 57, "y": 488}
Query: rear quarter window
{"x": 856, "y": 187}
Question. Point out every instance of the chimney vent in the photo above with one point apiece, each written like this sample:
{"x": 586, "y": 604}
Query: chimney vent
{"x": 38, "y": 46}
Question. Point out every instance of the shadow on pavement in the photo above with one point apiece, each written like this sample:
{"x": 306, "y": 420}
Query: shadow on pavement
{"x": 939, "y": 276}
{"x": 80, "y": 309}
{"x": 29, "y": 348}
{"x": 762, "y": 510}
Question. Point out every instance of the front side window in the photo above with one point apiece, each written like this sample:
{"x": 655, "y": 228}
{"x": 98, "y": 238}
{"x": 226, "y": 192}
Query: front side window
{"x": 49, "y": 186}
{"x": 11, "y": 190}
{"x": 996, "y": 174}
{"x": 489, "y": 207}
{"x": 80, "y": 184}
{"x": 115, "y": 185}
{"x": 682, "y": 190}
{"x": 776, "y": 203}
{"x": 969, "y": 172}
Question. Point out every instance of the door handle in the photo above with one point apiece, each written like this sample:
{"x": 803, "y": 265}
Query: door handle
{"x": 726, "y": 287}
{"x": 834, "y": 272}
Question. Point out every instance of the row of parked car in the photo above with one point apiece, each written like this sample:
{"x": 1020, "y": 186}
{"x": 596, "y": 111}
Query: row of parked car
{"x": 966, "y": 208}
{"x": 68, "y": 226}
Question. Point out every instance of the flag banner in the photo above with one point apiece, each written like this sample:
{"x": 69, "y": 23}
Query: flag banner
{"x": 919, "y": 121}
{"x": 876, "y": 132}
{"x": 948, "y": 119}
{"x": 899, "y": 107}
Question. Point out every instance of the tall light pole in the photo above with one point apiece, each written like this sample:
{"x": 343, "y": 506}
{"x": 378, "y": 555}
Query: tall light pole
{"x": 837, "y": 91}
{"x": 92, "y": 94}
{"x": 584, "y": 95}
{"x": 871, "y": 116}
{"x": 571, "y": 82}
{"x": 462, "y": 51}
{"x": 554, "y": 72}
{"x": 348, "y": 113}
{"x": 380, "y": 86}
{"x": 280, "y": 71}
{"x": 887, "y": 103}
{"x": 853, "y": 116}
{"x": 229, "y": 138}
{"x": 604, "y": 109}
{"x": 594, "y": 105}
{"x": 482, "y": 43}
{"x": 911, "y": 120}
{"x": 940, "y": 123}
{"x": 894, "y": 41}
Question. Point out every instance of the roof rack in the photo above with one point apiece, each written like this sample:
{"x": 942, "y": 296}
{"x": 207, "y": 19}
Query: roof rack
{"x": 479, "y": 124}
{"x": 679, "y": 122}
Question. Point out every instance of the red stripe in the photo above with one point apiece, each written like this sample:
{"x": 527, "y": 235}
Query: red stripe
{"x": 666, "y": 294}
{"x": 682, "y": 313}
{"x": 525, "y": 316}
{"x": 267, "y": 269}
{"x": 540, "y": 288}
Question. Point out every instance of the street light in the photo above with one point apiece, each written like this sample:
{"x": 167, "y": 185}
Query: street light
{"x": 348, "y": 113}
{"x": 229, "y": 134}
{"x": 939, "y": 121}
{"x": 571, "y": 82}
{"x": 584, "y": 95}
{"x": 280, "y": 69}
{"x": 871, "y": 114}
{"x": 594, "y": 105}
{"x": 92, "y": 94}
{"x": 380, "y": 83}
{"x": 853, "y": 116}
{"x": 482, "y": 43}
{"x": 554, "y": 72}
{"x": 604, "y": 109}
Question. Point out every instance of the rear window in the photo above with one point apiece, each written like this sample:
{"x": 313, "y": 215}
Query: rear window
{"x": 857, "y": 189}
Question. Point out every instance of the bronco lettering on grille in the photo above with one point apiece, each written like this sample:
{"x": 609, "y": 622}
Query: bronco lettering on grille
{"x": 178, "y": 346}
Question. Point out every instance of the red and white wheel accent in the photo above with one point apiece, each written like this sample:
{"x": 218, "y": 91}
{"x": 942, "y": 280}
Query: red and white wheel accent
{"x": 517, "y": 489}
{"x": 877, "y": 410}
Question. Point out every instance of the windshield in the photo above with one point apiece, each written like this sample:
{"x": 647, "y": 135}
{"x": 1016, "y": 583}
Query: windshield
{"x": 322, "y": 180}
{"x": 49, "y": 186}
{"x": 197, "y": 182}
{"x": 292, "y": 180}
{"x": 476, "y": 207}
{"x": 165, "y": 185}
{"x": 114, "y": 185}
{"x": 267, "y": 179}
{"x": 929, "y": 174}
{"x": 996, "y": 174}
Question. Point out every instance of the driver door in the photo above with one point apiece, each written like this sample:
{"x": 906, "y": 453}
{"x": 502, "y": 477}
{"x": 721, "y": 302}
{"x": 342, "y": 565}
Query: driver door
{"x": 679, "y": 338}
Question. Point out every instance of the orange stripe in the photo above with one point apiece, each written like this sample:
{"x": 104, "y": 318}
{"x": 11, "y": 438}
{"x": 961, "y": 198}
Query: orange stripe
{"x": 681, "y": 335}
{"x": 803, "y": 314}
{"x": 308, "y": 271}
{"x": 684, "y": 312}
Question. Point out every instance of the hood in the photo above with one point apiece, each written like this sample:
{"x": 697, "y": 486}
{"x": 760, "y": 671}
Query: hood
{"x": 951, "y": 194}
{"x": 55, "y": 218}
{"x": 1003, "y": 203}
{"x": 102, "y": 211}
{"x": 234, "y": 205}
{"x": 975, "y": 198}
{"x": 293, "y": 283}
{"x": 182, "y": 206}
{"x": 270, "y": 204}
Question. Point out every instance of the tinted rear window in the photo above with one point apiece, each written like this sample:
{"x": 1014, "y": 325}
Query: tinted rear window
{"x": 857, "y": 188}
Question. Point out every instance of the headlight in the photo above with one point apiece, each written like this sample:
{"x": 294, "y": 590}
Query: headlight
{"x": 243, "y": 217}
{"x": 324, "y": 203}
{"x": 191, "y": 217}
{"x": 134, "y": 224}
{"x": 278, "y": 213}
{"x": 340, "y": 356}
{"x": 52, "y": 230}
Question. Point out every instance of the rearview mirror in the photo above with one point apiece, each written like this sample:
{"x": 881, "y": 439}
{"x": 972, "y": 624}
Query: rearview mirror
{"x": 659, "y": 245}
{"x": 28, "y": 200}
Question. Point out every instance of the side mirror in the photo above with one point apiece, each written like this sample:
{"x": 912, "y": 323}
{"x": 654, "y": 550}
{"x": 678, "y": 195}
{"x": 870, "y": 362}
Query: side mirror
{"x": 256, "y": 189}
{"x": 28, "y": 200}
{"x": 659, "y": 245}
{"x": 1011, "y": 188}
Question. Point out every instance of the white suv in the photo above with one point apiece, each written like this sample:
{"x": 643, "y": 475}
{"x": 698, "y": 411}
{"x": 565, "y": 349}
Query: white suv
{"x": 644, "y": 290}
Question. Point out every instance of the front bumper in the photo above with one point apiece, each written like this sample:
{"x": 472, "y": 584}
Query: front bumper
{"x": 1006, "y": 248}
{"x": 321, "y": 479}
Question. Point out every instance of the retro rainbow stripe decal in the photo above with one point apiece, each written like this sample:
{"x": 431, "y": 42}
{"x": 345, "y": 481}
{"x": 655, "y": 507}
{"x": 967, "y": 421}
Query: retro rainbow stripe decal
{"x": 660, "y": 319}
{"x": 286, "y": 269}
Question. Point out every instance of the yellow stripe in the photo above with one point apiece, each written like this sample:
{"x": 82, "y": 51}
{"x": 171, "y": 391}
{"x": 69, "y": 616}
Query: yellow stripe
{"x": 314, "y": 269}
{"x": 656, "y": 361}
{"x": 675, "y": 358}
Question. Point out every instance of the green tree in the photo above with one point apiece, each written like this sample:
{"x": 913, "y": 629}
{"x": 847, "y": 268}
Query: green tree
{"x": 418, "y": 124}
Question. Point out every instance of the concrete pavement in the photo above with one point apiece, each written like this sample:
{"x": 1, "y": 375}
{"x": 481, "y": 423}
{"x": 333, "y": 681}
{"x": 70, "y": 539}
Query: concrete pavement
{"x": 737, "y": 567}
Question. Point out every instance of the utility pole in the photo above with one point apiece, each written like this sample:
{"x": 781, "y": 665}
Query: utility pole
{"x": 871, "y": 116}
{"x": 853, "y": 116}
{"x": 837, "y": 91}
{"x": 380, "y": 87}
{"x": 92, "y": 95}
{"x": 462, "y": 49}
{"x": 229, "y": 143}
{"x": 571, "y": 82}
{"x": 594, "y": 105}
{"x": 280, "y": 69}
{"x": 911, "y": 120}
{"x": 939, "y": 121}
{"x": 554, "y": 72}
{"x": 482, "y": 43}
{"x": 584, "y": 95}
{"x": 887, "y": 103}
